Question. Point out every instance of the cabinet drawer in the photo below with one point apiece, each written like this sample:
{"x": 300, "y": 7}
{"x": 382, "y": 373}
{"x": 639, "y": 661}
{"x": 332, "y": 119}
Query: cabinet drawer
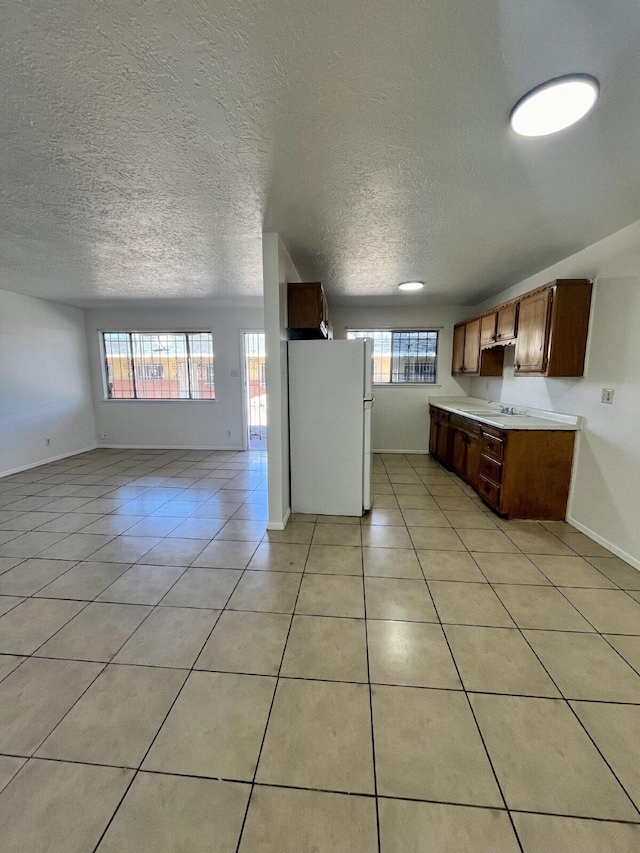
{"x": 490, "y": 469}
{"x": 489, "y": 491}
{"x": 492, "y": 446}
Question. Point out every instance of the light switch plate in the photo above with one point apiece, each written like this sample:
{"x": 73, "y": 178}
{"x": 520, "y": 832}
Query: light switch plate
{"x": 607, "y": 395}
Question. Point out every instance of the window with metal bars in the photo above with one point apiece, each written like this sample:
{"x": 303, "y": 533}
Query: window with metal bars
{"x": 159, "y": 365}
{"x": 401, "y": 357}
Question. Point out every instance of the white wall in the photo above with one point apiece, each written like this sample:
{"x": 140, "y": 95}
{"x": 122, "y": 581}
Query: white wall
{"x": 44, "y": 382}
{"x": 175, "y": 423}
{"x": 605, "y": 497}
{"x": 278, "y": 271}
{"x": 400, "y": 421}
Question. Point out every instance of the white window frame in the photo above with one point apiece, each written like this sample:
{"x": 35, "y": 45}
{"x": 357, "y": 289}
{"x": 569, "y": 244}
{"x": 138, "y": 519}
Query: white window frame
{"x": 154, "y": 331}
{"x": 433, "y": 329}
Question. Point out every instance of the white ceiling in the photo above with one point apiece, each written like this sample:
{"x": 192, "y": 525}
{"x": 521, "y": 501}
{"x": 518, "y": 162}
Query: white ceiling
{"x": 146, "y": 145}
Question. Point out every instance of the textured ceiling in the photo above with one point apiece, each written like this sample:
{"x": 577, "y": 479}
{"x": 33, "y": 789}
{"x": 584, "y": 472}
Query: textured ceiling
{"x": 146, "y": 145}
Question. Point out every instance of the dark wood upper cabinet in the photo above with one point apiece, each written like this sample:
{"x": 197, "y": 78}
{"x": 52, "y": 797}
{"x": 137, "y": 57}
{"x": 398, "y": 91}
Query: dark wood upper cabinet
{"x": 548, "y": 325}
{"x": 308, "y": 311}
{"x": 552, "y": 329}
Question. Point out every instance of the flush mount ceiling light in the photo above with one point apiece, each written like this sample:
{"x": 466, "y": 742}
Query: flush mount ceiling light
{"x": 554, "y": 105}
{"x": 411, "y": 285}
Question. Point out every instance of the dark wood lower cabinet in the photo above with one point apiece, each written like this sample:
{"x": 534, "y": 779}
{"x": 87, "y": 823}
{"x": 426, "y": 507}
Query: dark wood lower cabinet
{"x": 519, "y": 473}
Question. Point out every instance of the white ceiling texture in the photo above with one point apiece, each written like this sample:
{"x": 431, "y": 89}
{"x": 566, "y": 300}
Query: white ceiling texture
{"x": 146, "y": 144}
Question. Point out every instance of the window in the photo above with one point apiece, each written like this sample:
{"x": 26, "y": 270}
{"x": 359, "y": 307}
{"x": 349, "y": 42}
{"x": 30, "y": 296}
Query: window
{"x": 159, "y": 365}
{"x": 401, "y": 357}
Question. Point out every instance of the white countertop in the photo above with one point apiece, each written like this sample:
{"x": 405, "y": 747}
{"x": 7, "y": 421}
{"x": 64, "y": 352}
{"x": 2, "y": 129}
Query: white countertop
{"x": 487, "y": 412}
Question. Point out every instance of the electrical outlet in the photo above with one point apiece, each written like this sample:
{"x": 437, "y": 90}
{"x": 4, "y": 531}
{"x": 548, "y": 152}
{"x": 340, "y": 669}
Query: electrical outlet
{"x": 607, "y": 395}
{"x": 228, "y": 433}
{"x": 47, "y": 441}
{"x": 235, "y": 374}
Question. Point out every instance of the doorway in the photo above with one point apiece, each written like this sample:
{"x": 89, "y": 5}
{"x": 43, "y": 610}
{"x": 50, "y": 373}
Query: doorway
{"x": 255, "y": 390}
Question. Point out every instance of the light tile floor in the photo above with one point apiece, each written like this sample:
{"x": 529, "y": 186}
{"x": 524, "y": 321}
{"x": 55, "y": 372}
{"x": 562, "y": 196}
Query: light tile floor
{"x": 430, "y": 677}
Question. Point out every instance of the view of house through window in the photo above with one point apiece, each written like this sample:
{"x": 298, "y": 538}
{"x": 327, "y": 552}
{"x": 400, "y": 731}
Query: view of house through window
{"x": 159, "y": 365}
{"x": 401, "y": 356}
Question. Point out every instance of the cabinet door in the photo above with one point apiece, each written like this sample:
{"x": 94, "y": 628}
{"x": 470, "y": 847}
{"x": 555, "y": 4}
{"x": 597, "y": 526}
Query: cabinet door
{"x": 533, "y": 333}
{"x": 506, "y": 325}
{"x": 488, "y": 330}
{"x": 472, "y": 463}
{"x": 457, "y": 363}
{"x": 459, "y": 452}
{"x": 442, "y": 450}
{"x": 472, "y": 348}
{"x": 433, "y": 437}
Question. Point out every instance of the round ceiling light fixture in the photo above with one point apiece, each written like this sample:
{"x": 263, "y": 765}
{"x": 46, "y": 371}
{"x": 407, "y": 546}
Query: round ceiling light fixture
{"x": 411, "y": 285}
{"x": 554, "y": 105}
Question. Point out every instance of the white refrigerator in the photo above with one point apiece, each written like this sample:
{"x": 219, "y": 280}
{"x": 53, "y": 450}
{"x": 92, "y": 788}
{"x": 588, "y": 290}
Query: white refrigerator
{"x": 330, "y": 402}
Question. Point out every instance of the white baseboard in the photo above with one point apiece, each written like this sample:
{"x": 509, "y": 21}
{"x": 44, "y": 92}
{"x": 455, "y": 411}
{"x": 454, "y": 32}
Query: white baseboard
{"x": 633, "y": 561}
{"x": 47, "y": 461}
{"x": 105, "y": 446}
{"x": 280, "y": 525}
{"x": 395, "y": 450}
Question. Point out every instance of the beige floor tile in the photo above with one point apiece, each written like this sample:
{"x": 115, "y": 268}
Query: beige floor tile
{"x": 215, "y": 727}
{"x": 80, "y": 546}
{"x": 545, "y": 761}
{"x": 8, "y": 663}
{"x": 197, "y": 528}
{"x": 494, "y": 541}
{"x": 125, "y": 549}
{"x": 618, "y": 571}
{"x": 422, "y": 500}
{"x": 412, "y": 654}
{"x": 509, "y": 568}
{"x": 170, "y": 636}
{"x": 469, "y": 604}
{"x": 634, "y": 593}
{"x": 175, "y": 552}
{"x": 246, "y": 642}
{"x": 584, "y": 666}
{"x": 609, "y": 611}
{"x": 326, "y": 648}
{"x": 544, "y": 833}
{"x": 384, "y": 501}
{"x": 173, "y": 813}
{"x": 455, "y": 503}
{"x": 409, "y": 827}
{"x": 386, "y": 537}
{"x": 425, "y": 518}
{"x": 585, "y": 546}
{"x": 497, "y": 660}
{"x": 571, "y": 571}
{"x": 97, "y": 633}
{"x": 331, "y": 595}
{"x": 155, "y": 526}
{"x": 210, "y": 588}
{"x": 616, "y": 732}
{"x": 226, "y": 555}
{"x": 8, "y": 602}
{"x": 428, "y": 747}
{"x": 541, "y": 607}
{"x": 243, "y": 530}
{"x": 629, "y": 648}
{"x": 53, "y": 546}
{"x": 35, "y": 697}
{"x": 436, "y": 539}
{"x": 337, "y": 534}
{"x": 270, "y": 592}
{"x": 384, "y": 517}
{"x": 279, "y": 557}
{"x": 31, "y": 575}
{"x": 399, "y": 598}
{"x": 84, "y": 581}
{"x": 142, "y": 584}
{"x": 303, "y": 516}
{"x": 296, "y": 532}
{"x": 9, "y": 766}
{"x": 391, "y": 563}
{"x": 450, "y": 566}
{"x": 470, "y": 520}
{"x": 290, "y": 821}
{"x": 117, "y": 718}
{"x": 537, "y": 542}
{"x": 26, "y": 627}
{"x": 319, "y": 736}
{"x": 56, "y": 807}
{"x": 334, "y": 560}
